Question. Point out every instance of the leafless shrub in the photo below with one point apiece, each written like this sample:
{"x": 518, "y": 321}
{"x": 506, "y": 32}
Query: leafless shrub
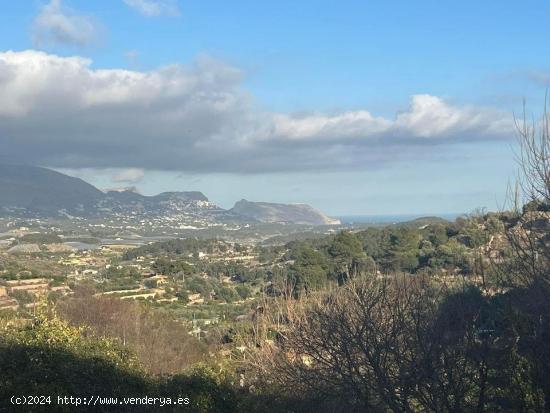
{"x": 162, "y": 345}
{"x": 528, "y": 254}
{"x": 402, "y": 343}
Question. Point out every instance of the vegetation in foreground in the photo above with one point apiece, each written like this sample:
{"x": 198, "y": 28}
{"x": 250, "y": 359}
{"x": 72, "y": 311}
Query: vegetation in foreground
{"x": 46, "y": 356}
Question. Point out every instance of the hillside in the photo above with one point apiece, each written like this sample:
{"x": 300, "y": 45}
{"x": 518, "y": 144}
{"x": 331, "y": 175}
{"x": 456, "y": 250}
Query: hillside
{"x": 43, "y": 191}
{"x": 28, "y": 191}
{"x": 166, "y": 203}
{"x": 282, "y": 213}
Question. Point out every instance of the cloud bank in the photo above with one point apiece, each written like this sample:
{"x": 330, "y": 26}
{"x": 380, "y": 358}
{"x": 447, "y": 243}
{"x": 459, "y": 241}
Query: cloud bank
{"x": 59, "y": 112}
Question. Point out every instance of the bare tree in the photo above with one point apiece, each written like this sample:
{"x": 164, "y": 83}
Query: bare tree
{"x": 528, "y": 259}
{"x": 528, "y": 263}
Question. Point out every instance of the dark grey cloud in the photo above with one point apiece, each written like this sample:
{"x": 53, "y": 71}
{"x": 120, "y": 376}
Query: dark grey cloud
{"x": 57, "y": 111}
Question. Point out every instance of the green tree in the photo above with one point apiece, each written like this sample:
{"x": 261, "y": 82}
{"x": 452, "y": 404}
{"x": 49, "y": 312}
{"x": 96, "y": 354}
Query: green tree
{"x": 348, "y": 258}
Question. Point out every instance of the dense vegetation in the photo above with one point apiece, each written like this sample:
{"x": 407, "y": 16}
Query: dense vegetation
{"x": 46, "y": 356}
{"x": 420, "y": 247}
{"x": 191, "y": 246}
{"x": 452, "y": 248}
{"x": 39, "y": 239}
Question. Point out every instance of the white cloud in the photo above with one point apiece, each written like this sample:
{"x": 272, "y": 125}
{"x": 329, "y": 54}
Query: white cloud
{"x": 151, "y": 8}
{"x": 130, "y": 176}
{"x": 350, "y": 124}
{"x": 57, "y": 111}
{"x": 58, "y": 25}
{"x": 428, "y": 120}
{"x": 430, "y": 116}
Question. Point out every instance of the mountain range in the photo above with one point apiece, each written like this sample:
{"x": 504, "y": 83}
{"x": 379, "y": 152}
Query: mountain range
{"x": 34, "y": 191}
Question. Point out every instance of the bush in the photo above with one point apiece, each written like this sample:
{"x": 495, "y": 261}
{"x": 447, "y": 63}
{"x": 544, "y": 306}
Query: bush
{"x": 46, "y": 356}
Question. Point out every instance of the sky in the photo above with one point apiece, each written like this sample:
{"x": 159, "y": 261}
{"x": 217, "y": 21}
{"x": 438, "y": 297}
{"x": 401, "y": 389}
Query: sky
{"x": 355, "y": 107}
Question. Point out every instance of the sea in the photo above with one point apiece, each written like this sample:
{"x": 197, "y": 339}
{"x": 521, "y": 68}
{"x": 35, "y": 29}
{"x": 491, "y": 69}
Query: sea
{"x": 390, "y": 219}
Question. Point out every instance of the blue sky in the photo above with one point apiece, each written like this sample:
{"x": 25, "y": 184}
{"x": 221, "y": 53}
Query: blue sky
{"x": 303, "y": 97}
